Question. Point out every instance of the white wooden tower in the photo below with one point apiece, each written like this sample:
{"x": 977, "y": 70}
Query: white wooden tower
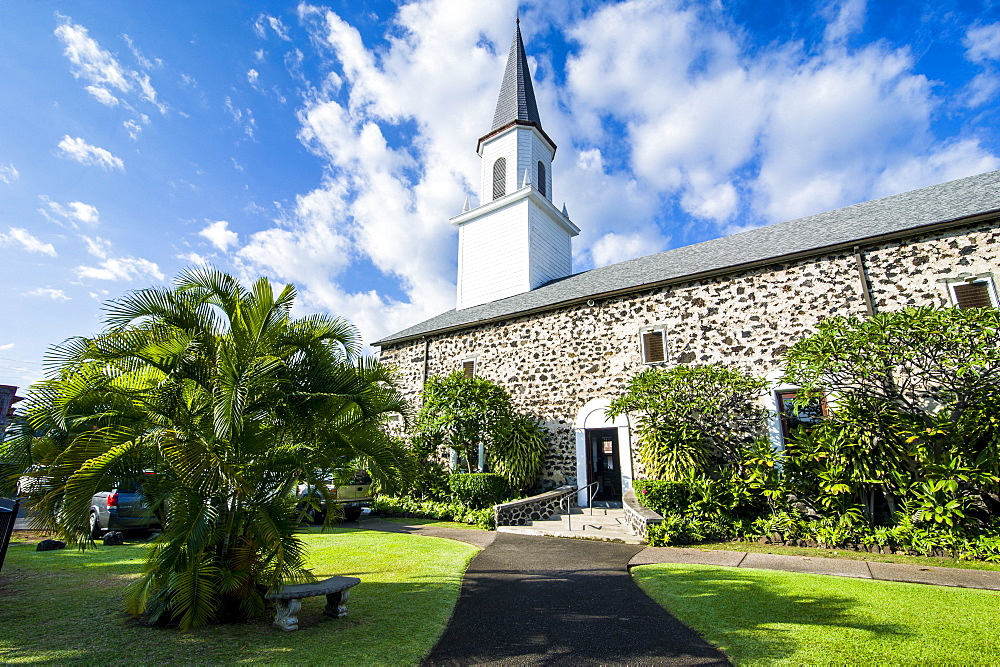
{"x": 516, "y": 239}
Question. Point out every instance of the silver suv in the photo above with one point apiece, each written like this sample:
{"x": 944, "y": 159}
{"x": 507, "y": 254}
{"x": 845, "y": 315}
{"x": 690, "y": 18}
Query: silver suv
{"x": 121, "y": 508}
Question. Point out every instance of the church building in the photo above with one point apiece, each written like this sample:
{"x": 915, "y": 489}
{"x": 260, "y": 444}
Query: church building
{"x": 565, "y": 344}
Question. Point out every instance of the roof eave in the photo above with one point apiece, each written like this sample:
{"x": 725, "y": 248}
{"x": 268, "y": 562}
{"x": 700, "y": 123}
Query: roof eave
{"x": 516, "y": 122}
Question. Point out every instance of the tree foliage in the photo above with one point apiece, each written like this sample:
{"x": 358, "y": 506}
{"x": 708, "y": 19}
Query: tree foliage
{"x": 692, "y": 417}
{"x": 462, "y": 413}
{"x": 229, "y": 401}
{"x": 915, "y": 409}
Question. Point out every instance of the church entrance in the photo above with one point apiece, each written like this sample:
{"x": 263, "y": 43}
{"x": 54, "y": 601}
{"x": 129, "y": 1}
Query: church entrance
{"x": 603, "y": 464}
{"x": 603, "y": 452}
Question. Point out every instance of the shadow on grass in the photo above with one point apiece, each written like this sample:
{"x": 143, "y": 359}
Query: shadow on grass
{"x": 50, "y": 602}
{"x": 756, "y": 617}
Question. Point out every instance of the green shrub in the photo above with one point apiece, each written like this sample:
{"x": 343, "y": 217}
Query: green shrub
{"x": 679, "y": 529}
{"x": 479, "y": 489}
{"x": 429, "y": 509}
{"x": 661, "y": 496}
{"x": 518, "y": 455}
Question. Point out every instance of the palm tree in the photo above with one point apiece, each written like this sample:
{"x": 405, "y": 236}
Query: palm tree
{"x": 230, "y": 402}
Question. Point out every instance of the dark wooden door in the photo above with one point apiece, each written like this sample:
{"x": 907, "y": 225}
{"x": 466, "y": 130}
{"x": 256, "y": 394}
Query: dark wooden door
{"x": 603, "y": 465}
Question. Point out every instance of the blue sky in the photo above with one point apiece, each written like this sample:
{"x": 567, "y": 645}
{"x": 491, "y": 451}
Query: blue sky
{"x": 329, "y": 144}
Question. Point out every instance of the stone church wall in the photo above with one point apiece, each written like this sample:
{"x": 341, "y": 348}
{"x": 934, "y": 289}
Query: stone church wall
{"x": 554, "y": 362}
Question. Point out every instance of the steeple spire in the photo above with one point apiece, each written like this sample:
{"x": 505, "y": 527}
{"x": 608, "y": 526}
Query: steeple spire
{"x": 517, "y": 97}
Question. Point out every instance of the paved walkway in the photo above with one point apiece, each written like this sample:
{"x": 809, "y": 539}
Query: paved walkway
{"x": 548, "y": 600}
{"x": 839, "y": 567}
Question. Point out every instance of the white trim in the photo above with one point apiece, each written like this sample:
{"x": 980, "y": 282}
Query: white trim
{"x": 770, "y": 401}
{"x": 967, "y": 278}
{"x": 547, "y": 207}
{"x": 662, "y": 329}
{"x": 592, "y": 416}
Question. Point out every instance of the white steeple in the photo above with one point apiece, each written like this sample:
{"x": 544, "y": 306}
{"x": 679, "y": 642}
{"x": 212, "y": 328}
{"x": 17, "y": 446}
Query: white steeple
{"x": 516, "y": 240}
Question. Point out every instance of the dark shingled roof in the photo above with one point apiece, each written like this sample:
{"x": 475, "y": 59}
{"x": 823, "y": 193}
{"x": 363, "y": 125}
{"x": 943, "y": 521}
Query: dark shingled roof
{"x": 517, "y": 97}
{"x": 895, "y": 215}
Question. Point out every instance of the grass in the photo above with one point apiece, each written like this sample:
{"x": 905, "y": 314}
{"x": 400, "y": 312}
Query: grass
{"x": 771, "y": 617}
{"x": 66, "y": 606}
{"x": 933, "y": 561}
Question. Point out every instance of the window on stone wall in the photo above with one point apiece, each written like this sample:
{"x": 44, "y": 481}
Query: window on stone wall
{"x": 499, "y": 178}
{"x": 807, "y": 416}
{"x": 654, "y": 346}
{"x": 975, "y": 293}
{"x": 469, "y": 368}
{"x": 541, "y": 178}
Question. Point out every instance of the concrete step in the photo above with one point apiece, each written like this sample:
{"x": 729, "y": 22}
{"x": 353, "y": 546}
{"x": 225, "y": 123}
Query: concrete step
{"x": 604, "y": 524}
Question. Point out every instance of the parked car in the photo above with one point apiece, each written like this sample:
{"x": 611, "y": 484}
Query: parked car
{"x": 29, "y": 482}
{"x": 350, "y": 499}
{"x": 121, "y": 508}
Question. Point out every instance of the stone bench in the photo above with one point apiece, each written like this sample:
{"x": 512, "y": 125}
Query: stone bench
{"x": 288, "y": 599}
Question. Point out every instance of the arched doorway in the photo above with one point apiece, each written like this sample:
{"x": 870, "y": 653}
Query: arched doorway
{"x": 603, "y": 451}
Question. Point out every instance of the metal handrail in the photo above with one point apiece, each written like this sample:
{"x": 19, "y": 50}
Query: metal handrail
{"x": 569, "y": 513}
{"x": 590, "y": 498}
{"x": 570, "y": 494}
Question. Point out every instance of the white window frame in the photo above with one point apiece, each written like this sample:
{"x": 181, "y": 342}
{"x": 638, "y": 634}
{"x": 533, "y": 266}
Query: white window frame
{"x": 967, "y": 278}
{"x": 474, "y": 359}
{"x": 662, "y": 330}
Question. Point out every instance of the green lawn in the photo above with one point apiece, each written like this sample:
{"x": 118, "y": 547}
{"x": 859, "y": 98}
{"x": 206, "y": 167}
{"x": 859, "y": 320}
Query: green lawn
{"x": 768, "y": 617}
{"x": 66, "y": 606}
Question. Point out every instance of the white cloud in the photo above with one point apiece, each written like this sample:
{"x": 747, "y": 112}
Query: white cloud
{"x": 8, "y": 174}
{"x": 72, "y": 212}
{"x": 945, "y": 163}
{"x": 835, "y": 125}
{"x": 263, "y": 22}
{"x": 252, "y": 76}
{"x": 133, "y": 128}
{"x": 7, "y": 346}
{"x": 101, "y": 70}
{"x": 79, "y": 150}
{"x": 121, "y": 268}
{"x": 103, "y": 95}
{"x": 98, "y": 247}
{"x": 612, "y": 248}
{"x": 193, "y": 258}
{"x": 982, "y": 42}
{"x": 845, "y": 18}
{"x": 242, "y": 117}
{"x": 146, "y": 63}
{"x": 91, "y": 62}
{"x": 54, "y": 294}
{"x": 23, "y": 238}
{"x": 219, "y": 234}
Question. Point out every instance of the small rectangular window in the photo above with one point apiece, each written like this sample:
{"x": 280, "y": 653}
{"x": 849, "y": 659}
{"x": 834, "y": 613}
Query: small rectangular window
{"x": 469, "y": 368}
{"x": 654, "y": 350}
{"x": 973, "y": 295}
{"x": 791, "y": 419}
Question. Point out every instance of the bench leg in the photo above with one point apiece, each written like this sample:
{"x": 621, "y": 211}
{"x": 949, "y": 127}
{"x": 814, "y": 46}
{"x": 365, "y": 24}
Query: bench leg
{"x": 336, "y": 604}
{"x": 287, "y": 613}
